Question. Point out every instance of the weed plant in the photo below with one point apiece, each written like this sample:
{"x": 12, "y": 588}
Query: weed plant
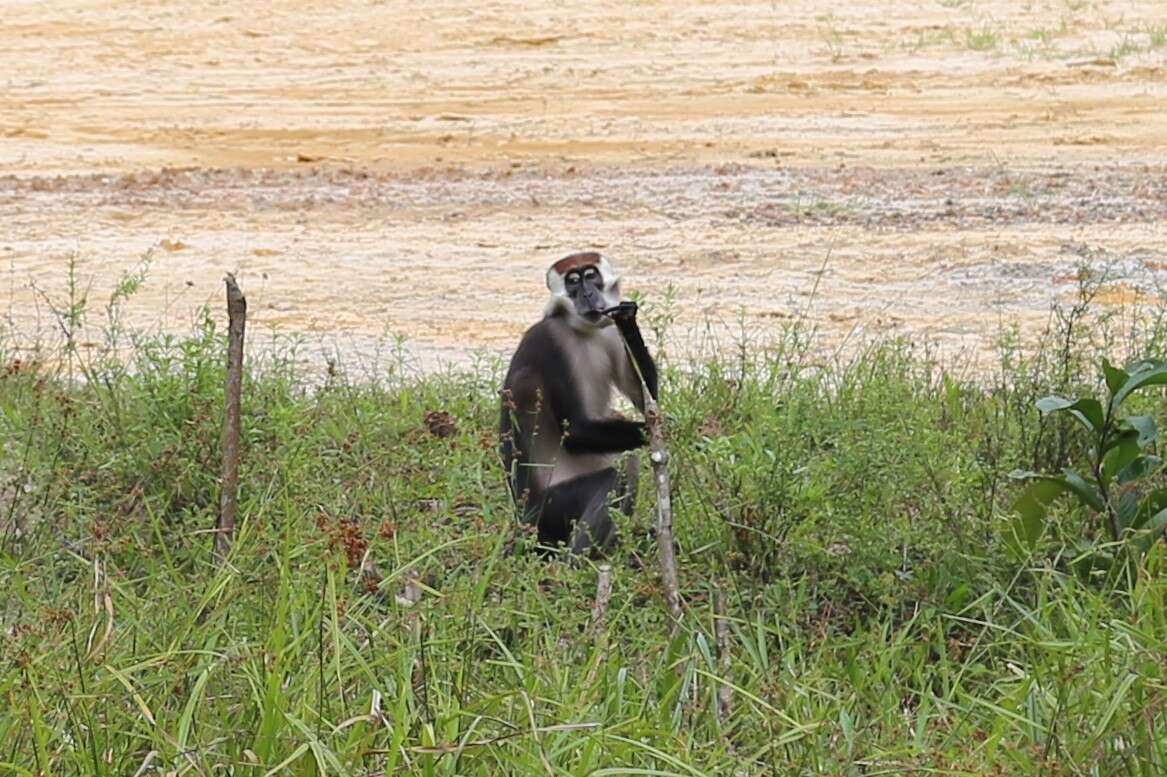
{"x": 382, "y": 613}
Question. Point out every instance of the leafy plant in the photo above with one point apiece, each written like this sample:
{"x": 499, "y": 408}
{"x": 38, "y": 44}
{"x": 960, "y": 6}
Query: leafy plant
{"x": 884, "y": 626}
{"x": 1122, "y": 455}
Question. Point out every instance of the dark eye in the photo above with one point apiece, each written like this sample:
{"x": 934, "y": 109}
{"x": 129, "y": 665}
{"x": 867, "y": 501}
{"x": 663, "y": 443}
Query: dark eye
{"x": 590, "y": 272}
{"x": 572, "y": 279}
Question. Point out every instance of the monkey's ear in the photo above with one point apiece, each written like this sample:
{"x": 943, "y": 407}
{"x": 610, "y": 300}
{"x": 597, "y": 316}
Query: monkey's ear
{"x": 608, "y": 272}
{"x": 555, "y": 283}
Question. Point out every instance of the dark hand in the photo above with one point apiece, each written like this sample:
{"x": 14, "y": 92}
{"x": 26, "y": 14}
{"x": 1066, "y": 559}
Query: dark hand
{"x": 623, "y": 313}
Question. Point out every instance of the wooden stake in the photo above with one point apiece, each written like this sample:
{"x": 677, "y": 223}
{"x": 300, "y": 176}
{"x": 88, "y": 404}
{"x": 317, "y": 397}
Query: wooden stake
{"x": 237, "y": 319}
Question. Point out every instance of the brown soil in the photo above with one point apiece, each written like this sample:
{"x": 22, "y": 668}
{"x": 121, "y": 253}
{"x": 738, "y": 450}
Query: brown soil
{"x": 374, "y": 169}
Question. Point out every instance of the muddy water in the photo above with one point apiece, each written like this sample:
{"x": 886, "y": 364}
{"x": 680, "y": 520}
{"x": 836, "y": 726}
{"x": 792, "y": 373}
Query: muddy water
{"x": 383, "y": 169}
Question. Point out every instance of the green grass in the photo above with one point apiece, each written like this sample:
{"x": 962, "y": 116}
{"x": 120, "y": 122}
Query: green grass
{"x": 984, "y": 39}
{"x": 1139, "y": 40}
{"x": 1157, "y": 36}
{"x": 854, "y": 511}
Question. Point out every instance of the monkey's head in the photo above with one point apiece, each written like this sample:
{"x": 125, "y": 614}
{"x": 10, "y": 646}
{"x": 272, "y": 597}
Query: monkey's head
{"x": 582, "y": 287}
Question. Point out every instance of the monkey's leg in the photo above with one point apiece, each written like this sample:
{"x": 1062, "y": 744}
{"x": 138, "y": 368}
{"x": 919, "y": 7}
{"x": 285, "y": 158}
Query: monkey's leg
{"x": 576, "y": 510}
{"x": 626, "y": 489}
{"x": 594, "y": 530}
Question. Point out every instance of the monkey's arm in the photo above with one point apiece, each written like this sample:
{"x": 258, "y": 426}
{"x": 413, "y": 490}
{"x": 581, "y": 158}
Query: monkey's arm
{"x": 582, "y": 434}
{"x": 624, "y": 316}
{"x": 611, "y": 435}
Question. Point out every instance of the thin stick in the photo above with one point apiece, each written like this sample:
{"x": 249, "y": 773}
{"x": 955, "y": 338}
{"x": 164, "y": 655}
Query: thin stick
{"x": 599, "y": 616}
{"x": 659, "y": 456}
{"x": 237, "y": 319}
{"x": 603, "y": 596}
{"x": 721, "y": 629}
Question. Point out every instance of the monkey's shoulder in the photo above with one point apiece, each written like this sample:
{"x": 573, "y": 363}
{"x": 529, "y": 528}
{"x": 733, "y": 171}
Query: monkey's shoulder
{"x": 541, "y": 352}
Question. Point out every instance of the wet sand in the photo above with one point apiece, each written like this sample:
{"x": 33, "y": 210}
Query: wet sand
{"x": 383, "y": 169}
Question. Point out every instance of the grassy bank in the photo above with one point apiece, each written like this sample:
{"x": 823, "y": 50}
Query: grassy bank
{"x": 855, "y": 511}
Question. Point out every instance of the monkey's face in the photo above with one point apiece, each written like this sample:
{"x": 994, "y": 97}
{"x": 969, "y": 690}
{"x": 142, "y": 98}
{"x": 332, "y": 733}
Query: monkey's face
{"x": 584, "y": 286}
{"x": 586, "y": 289}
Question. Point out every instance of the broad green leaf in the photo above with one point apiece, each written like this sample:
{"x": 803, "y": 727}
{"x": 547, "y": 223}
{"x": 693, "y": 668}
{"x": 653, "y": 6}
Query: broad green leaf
{"x": 1086, "y": 492}
{"x": 1125, "y": 450}
{"x": 1030, "y": 508}
{"x": 1141, "y": 365}
{"x": 1143, "y": 426}
{"x": 1139, "y": 427}
{"x": 1141, "y": 466}
{"x": 1088, "y": 411}
{"x": 1115, "y": 377}
{"x": 1147, "y": 373}
{"x": 1032, "y": 505}
{"x": 1152, "y": 503}
{"x": 1158, "y": 522}
{"x": 1053, "y": 403}
{"x": 1128, "y": 509}
{"x": 1152, "y": 531}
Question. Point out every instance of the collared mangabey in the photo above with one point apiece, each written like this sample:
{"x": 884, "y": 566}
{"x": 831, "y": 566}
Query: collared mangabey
{"x": 560, "y": 438}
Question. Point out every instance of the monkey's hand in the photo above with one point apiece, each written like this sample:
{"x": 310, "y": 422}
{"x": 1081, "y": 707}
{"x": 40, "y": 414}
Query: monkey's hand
{"x": 624, "y": 313}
